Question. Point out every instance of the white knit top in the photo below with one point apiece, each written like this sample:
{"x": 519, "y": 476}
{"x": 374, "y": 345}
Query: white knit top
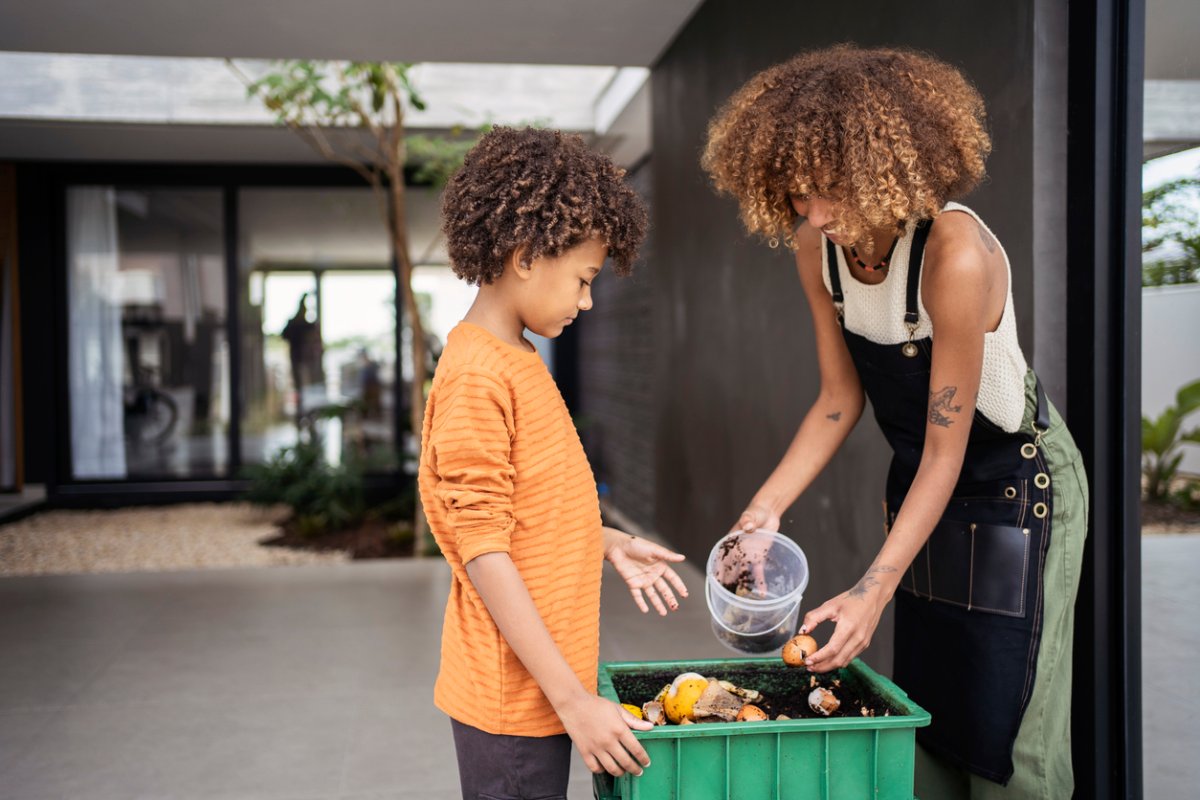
{"x": 876, "y": 312}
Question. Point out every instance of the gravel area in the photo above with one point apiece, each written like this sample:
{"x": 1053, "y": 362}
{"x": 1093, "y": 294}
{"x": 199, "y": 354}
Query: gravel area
{"x": 182, "y": 537}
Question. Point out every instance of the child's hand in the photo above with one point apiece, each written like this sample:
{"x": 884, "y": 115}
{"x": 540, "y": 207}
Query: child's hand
{"x": 600, "y": 730}
{"x": 643, "y": 565}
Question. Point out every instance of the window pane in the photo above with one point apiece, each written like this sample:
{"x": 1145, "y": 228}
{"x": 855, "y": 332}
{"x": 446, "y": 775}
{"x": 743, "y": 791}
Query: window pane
{"x": 318, "y": 321}
{"x": 148, "y": 355}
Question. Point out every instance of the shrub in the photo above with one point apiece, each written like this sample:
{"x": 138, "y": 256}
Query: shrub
{"x": 322, "y": 497}
{"x": 1162, "y": 438}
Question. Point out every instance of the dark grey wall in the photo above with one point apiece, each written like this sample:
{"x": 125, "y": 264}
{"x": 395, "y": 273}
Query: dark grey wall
{"x": 616, "y": 383}
{"x": 735, "y": 364}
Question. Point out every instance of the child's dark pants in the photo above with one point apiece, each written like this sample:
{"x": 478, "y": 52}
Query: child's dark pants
{"x": 497, "y": 767}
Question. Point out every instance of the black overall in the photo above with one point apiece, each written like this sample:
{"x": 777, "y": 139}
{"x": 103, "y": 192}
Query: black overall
{"x": 969, "y": 610}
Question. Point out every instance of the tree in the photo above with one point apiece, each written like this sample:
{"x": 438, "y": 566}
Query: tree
{"x": 353, "y": 114}
{"x": 1170, "y": 218}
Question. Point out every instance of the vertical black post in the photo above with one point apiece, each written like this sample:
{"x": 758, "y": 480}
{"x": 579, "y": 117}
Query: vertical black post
{"x": 318, "y": 282}
{"x": 233, "y": 324}
{"x": 1107, "y": 42}
{"x": 63, "y": 471}
{"x": 566, "y": 366}
{"x": 400, "y": 398}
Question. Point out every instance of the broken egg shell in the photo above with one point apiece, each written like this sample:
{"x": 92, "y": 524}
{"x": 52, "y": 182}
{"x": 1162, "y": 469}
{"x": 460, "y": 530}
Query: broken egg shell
{"x": 653, "y": 713}
{"x": 752, "y": 713}
{"x": 782, "y": 718}
{"x": 800, "y": 647}
{"x": 823, "y": 701}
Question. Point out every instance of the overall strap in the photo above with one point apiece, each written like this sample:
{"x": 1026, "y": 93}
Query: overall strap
{"x": 916, "y": 256}
{"x": 1042, "y": 424}
{"x": 835, "y": 280}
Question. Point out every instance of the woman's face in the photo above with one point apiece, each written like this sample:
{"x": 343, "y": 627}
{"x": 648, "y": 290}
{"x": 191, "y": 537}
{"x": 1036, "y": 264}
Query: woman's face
{"x": 821, "y": 212}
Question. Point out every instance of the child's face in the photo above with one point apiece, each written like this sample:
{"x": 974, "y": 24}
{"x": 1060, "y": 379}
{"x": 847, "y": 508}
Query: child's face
{"x": 558, "y": 288}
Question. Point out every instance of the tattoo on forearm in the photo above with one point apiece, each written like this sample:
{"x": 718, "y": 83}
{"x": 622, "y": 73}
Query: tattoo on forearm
{"x": 939, "y": 406}
{"x": 869, "y": 581}
{"x": 986, "y": 238}
{"x": 835, "y": 416}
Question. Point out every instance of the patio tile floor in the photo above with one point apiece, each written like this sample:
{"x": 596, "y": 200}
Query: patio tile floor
{"x": 314, "y": 682}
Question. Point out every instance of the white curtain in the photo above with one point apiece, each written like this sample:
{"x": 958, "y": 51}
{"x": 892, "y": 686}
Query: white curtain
{"x": 95, "y": 351}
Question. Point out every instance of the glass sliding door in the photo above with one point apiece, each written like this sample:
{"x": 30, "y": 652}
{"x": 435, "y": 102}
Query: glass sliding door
{"x": 318, "y": 322}
{"x": 148, "y": 373}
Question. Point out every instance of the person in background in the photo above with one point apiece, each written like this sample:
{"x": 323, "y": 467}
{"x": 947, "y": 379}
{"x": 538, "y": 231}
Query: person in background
{"x": 305, "y": 351}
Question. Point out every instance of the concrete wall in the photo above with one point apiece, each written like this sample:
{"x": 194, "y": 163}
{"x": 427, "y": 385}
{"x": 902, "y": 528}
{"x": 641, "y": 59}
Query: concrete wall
{"x": 1171, "y": 353}
{"x": 734, "y": 358}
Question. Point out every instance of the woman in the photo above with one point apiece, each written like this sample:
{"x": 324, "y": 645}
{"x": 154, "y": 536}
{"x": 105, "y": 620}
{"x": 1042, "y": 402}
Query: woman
{"x": 851, "y": 157}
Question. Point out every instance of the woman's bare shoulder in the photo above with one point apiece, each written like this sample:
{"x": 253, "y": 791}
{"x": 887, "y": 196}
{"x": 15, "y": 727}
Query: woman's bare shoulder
{"x": 957, "y": 237}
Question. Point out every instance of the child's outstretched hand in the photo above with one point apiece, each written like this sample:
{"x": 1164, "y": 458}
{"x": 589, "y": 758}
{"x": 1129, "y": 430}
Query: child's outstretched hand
{"x": 645, "y": 567}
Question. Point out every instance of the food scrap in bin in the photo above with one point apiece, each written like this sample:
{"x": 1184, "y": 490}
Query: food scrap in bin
{"x": 693, "y": 698}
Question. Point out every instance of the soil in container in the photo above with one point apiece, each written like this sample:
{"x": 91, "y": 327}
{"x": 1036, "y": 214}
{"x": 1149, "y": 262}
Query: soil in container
{"x": 785, "y": 690}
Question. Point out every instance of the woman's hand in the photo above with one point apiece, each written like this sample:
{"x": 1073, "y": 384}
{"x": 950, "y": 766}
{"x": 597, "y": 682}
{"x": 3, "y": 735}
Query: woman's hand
{"x": 645, "y": 568}
{"x": 856, "y": 613}
{"x": 600, "y": 730}
{"x": 753, "y": 550}
{"x": 757, "y": 516}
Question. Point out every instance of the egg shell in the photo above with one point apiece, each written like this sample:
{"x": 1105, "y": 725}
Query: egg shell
{"x": 800, "y": 647}
{"x": 823, "y": 701}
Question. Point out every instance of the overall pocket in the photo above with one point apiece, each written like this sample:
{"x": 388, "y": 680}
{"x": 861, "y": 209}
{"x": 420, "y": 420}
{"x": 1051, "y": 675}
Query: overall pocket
{"x": 977, "y": 566}
{"x": 977, "y": 556}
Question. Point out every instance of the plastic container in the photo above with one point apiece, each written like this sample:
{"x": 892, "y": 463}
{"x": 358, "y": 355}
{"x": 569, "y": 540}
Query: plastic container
{"x": 839, "y": 758}
{"x": 754, "y": 585}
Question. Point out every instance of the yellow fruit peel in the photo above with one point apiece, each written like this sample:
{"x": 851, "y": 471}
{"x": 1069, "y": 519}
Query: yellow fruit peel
{"x": 682, "y": 696}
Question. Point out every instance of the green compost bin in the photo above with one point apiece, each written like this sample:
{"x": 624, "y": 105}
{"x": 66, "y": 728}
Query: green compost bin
{"x": 838, "y": 758}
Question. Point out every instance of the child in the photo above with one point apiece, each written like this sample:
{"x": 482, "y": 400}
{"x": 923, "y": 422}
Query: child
{"x": 529, "y": 218}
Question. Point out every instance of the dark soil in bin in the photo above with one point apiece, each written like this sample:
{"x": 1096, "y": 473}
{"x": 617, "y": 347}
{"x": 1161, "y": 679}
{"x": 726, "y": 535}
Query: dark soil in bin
{"x": 785, "y": 690}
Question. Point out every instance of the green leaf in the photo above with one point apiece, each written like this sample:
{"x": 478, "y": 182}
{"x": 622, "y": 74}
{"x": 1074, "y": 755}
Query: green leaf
{"x": 1158, "y": 435}
{"x": 1187, "y": 399}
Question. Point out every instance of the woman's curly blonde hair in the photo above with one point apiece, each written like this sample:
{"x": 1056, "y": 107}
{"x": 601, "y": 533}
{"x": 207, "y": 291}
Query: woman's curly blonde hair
{"x": 889, "y": 135}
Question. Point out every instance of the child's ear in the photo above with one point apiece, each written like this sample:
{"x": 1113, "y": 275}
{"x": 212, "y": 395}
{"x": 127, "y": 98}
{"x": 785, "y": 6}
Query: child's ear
{"x": 519, "y": 269}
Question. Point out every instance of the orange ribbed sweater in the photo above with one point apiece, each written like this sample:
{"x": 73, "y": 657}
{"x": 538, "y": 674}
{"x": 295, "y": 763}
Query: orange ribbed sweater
{"x": 502, "y": 470}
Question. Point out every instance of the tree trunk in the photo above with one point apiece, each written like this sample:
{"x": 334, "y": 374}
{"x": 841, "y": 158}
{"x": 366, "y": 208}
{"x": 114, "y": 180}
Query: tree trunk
{"x": 419, "y": 351}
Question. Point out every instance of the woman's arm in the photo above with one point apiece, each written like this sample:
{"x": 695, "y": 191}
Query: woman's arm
{"x": 956, "y": 289}
{"x": 833, "y": 414}
{"x": 599, "y": 729}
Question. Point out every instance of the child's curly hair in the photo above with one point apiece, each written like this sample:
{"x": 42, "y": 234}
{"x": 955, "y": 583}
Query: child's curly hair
{"x": 888, "y": 134}
{"x": 541, "y": 189}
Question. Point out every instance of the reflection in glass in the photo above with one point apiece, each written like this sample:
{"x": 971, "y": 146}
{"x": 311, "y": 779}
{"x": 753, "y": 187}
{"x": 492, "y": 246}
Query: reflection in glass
{"x": 318, "y": 322}
{"x": 148, "y": 359}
